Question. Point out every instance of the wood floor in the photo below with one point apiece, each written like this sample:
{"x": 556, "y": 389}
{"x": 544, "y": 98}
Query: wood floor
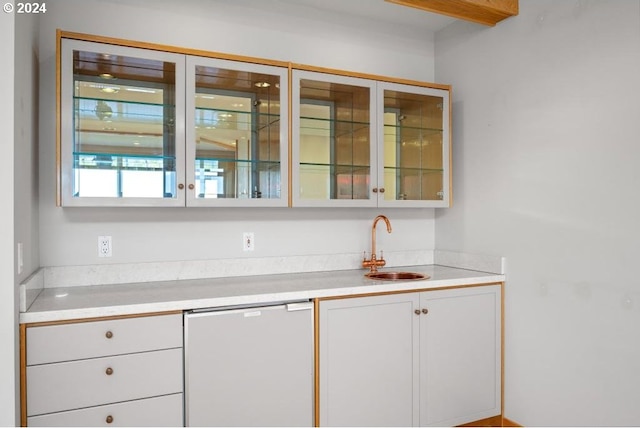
{"x": 496, "y": 421}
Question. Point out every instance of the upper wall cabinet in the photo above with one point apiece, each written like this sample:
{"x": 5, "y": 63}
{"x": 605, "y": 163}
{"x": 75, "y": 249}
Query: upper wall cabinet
{"x": 149, "y": 125}
{"x": 142, "y": 127}
{"x": 366, "y": 143}
{"x": 122, "y": 126}
{"x": 334, "y": 140}
{"x": 413, "y": 150}
{"x": 237, "y": 128}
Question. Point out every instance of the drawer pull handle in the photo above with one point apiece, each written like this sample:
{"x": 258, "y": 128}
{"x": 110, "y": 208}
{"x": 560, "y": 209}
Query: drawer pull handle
{"x": 109, "y": 335}
{"x": 425, "y": 311}
{"x": 109, "y": 371}
{"x": 417, "y": 311}
{"x": 109, "y": 419}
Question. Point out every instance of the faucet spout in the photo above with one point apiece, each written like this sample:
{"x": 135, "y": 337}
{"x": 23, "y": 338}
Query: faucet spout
{"x": 373, "y": 231}
{"x": 374, "y": 262}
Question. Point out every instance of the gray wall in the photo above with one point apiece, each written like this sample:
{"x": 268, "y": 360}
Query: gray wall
{"x": 8, "y": 313}
{"x": 26, "y": 142}
{"x": 19, "y": 212}
{"x": 546, "y": 126}
{"x": 244, "y": 27}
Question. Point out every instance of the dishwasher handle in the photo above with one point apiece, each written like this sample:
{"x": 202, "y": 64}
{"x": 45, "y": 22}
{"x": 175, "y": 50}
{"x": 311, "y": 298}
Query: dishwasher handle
{"x": 301, "y": 306}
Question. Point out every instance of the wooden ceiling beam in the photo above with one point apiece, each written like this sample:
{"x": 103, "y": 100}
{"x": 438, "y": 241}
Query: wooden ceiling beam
{"x": 486, "y": 12}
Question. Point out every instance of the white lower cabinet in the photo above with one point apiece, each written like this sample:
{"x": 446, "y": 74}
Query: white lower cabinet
{"x": 430, "y": 358}
{"x": 119, "y": 372}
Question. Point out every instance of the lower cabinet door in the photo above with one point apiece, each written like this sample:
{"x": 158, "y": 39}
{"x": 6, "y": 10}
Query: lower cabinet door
{"x": 162, "y": 411}
{"x": 368, "y": 361}
{"x": 460, "y": 355}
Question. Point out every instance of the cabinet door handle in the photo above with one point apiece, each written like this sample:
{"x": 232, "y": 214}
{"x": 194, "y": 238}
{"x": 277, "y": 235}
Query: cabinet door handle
{"x": 109, "y": 371}
{"x": 180, "y": 186}
{"x": 109, "y": 334}
{"x": 382, "y": 190}
{"x": 417, "y": 311}
{"x": 191, "y": 187}
{"x": 109, "y": 419}
{"x": 375, "y": 190}
{"x": 425, "y": 311}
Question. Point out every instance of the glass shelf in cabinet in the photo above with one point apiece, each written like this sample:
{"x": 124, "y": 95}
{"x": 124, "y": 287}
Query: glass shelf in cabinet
{"x": 412, "y": 170}
{"x": 264, "y": 164}
{"x": 393, "y": 129}
{"x": 312, "y": 126}
{"x": 122, "y": 161}
{"x": 337, "y": 168}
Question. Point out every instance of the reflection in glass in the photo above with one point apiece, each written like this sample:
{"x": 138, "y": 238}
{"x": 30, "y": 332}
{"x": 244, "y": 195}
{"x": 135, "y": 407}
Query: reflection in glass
{"x": 237, "y": 124}
{"x": 124, "y": 137}
{"x": 413, "y": 151}
{"x": 334, "y": 141}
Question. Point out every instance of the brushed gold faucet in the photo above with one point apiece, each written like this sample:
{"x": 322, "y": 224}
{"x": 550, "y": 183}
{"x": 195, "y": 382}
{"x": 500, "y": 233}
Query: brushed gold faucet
{"x": 373, "y": 263}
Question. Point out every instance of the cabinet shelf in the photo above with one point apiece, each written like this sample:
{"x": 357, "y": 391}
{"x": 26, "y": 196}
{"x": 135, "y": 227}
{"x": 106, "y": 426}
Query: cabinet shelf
{"x": 397, "y": 129}
{"x": 313, "y": 126}
{"x": 122, "y": 161}
{"x": 260, "y": 164}
{"x": 336, "y": 168}
{"x": 215, "y": 118}
{"x": 121, "y": 101}
{"x": 412, "y": 170}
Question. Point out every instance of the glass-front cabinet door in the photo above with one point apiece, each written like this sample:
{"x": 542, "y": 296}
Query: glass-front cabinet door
{"x": 333, "y": 137}
{"x": 413, "y": 149}
{"x": 122, "y": 126}
{"x": 237, "y": 133}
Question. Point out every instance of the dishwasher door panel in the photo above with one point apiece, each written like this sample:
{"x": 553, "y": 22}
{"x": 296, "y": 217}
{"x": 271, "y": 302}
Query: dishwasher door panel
{"x": 250, "y": 367}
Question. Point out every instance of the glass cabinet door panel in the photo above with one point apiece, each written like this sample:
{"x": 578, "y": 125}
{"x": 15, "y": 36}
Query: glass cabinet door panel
{"x": 236, "y": 133}
{"x": 332, "y": 139}
{"x": 416, "y": 144}
{"x": 120, "y": 107}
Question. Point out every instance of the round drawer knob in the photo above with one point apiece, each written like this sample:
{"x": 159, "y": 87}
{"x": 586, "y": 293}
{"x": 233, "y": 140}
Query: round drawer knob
{"x": 109, "y": 419}
{"x": 417, "y": 311}
{"x": 109, "y": 371}
{"x": 425, "y": 311}
{"x": 375, "y": 190}
{"x": 191, "y": 187}
{"x": 180, "y": 186}
{"x": 382, "y": 190}
{"x": 109, "y": 335}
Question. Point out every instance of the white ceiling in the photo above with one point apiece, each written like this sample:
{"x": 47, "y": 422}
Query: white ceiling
{"x": 373, "y": 14}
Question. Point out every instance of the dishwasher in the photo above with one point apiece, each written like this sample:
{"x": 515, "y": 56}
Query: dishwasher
{"x": 249, "y": 366}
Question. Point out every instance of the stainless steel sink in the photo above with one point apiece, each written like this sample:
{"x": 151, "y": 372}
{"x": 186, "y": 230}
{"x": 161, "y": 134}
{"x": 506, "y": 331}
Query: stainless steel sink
{"x": 397, "y": 276}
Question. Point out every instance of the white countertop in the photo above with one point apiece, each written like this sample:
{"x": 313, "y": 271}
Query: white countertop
{"x": 77, "y": 302}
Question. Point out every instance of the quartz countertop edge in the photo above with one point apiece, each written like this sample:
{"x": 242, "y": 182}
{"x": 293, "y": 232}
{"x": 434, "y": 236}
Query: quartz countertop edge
{"x": 74, "y": 303}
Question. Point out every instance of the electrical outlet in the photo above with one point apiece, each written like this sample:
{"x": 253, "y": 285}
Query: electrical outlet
{"x": 104, "y": 246}
{"x": 248, "y": 241}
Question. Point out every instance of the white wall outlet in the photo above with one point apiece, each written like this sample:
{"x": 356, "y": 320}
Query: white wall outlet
{"x": 248, "y": 241}
{"x": 104, "y": 246}
{"x": 20, "y": 258}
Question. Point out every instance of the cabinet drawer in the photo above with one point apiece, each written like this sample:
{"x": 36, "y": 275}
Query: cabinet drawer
{"x": 78, "y": 384}
{"x": 158, "y": 411}
{"x": 66, "y": 342}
